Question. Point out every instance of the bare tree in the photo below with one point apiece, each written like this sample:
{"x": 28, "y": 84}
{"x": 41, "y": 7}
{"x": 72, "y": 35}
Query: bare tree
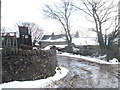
{"x": 62, "y": 13}
{"x": 3, "y": 30}
{"x": 6, "y": 29}
{"x": 100, "y": 12}
{"x": 34, "y": 30}
{"x": 77, "y": 34}
{"x": 85, "y": 33}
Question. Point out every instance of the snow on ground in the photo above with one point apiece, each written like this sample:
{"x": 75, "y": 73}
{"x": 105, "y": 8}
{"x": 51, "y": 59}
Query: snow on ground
{"x": 88, "y": 58}
{"x": 42, "y": 83}
{"x": 84, "y": 74}
{"x": 77, "y": 41}
{"x": 85, "y": 41}
{"x": 113, "y": 61}
{"x": 58, "y": 46}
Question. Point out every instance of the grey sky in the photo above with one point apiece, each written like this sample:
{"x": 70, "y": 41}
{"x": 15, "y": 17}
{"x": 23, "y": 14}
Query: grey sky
{"x": 31, "y": 11}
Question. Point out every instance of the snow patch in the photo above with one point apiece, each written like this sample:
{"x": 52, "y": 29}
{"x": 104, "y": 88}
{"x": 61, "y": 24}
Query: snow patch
{"x": 88, "y": 58}
{"x": 42, "y": 83}
{"x": 113, "y": 61}
{"x": 58, "y": 46}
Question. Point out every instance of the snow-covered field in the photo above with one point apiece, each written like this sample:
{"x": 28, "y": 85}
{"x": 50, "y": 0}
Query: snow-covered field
{"x": 85, "y": 41}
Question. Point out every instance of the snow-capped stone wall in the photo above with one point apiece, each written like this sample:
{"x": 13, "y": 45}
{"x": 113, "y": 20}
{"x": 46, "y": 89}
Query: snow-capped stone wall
{"x": 25, "y": 65}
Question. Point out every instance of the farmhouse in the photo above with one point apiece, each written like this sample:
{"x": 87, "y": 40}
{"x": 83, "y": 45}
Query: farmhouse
{"x": 52, "y": 40}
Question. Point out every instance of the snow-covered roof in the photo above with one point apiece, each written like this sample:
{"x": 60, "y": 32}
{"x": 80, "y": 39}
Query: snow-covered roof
{"x": 53, "y": 38}
{"x": 9, "y": 34}
{"x": 76, "y": 41}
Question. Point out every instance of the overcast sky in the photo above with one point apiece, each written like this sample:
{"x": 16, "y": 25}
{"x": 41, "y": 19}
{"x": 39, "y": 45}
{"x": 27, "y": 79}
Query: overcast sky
{"x": 31, "y": 11}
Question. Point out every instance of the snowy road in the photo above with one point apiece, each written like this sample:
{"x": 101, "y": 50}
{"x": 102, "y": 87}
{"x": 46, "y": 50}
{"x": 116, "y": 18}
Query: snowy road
{"x": 84, "y": 74}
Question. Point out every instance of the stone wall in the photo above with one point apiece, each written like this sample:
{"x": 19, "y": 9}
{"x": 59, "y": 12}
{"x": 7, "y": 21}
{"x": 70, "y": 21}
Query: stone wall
{"x": 43, "y": 44}
{"x": 22, "y": 65}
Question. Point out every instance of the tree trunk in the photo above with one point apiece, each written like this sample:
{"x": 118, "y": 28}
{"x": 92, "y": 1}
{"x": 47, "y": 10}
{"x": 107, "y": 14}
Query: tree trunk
{"x": 111, "y": 51}
{"x": 119, "y": 47}
{"x": 110, "y": 55}
{"x": 69, "y": 47}
{"x": 101, "y": 42}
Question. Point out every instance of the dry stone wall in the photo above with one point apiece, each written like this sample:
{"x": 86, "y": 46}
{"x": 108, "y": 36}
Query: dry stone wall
{"x": 22, "y": 65}
{"x": 43, "y": 44}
